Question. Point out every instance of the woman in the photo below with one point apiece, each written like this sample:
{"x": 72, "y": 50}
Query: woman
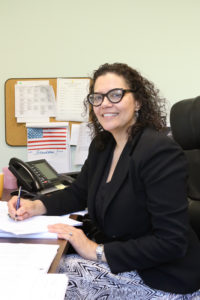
{"x": 134, "y": 186}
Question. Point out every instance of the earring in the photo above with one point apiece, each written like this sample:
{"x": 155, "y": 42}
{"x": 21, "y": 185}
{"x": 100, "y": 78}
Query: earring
{"x": 136, "y": 114}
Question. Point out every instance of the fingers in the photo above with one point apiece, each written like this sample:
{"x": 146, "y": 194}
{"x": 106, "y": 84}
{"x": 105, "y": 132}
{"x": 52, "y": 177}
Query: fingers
{"x": 60, "y": 228}
{"x": 12, "y": 205}
{"x": 64, "y": 231}
{"x": 27, "y": 208}
{"x": 23, "y": 212}
{"x": 22, "y": 217}
{"x": 77, "y": 238}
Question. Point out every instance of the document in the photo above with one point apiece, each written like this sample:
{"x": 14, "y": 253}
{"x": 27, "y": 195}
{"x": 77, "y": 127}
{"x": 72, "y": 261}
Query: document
{"x": 23, "y": 272}
{"x": 50, "y": 141}
{"x": 32, "y": 286}
{"x": 21, "y": 257}
{"x": 34, "y": 100}
{"x": 84, "y": 140}
{"x": 70, "y": 96}
{"x": 74, "y": 134}
{"x": 35, "y": 227}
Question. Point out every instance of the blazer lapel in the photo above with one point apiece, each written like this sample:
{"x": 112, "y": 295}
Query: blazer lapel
{"x": 99, "y": 169}
{"x": 119, "y": 175}
{"x": 122, "y": 169}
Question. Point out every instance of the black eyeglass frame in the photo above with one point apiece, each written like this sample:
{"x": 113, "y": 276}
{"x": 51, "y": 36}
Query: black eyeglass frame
{"x": 124, "y": 91}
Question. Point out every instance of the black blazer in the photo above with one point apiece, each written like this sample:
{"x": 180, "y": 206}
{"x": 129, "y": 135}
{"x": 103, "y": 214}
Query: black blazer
{"x": 145, "y": 217}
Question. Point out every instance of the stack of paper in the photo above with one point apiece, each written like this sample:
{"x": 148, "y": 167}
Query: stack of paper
{"x": 23, "y": 272}
{"x": 35, "y": 227}
{"x": 24, "y": 267}
{"x": 19, "y": 286}
{"x": 20, "y": 257}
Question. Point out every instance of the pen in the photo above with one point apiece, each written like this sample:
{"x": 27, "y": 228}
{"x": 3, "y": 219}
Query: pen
{"x": 18, "y": 200}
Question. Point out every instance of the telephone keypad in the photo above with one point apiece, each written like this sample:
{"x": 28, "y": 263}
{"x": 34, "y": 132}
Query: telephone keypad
{"x": 38, "y": 173}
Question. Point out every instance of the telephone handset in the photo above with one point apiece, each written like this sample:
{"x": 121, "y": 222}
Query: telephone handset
{"x": 37, "y": 176}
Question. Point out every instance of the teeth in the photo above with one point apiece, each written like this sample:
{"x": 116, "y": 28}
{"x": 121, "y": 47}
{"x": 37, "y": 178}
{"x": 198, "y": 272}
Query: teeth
{"x": 109, "y": 115}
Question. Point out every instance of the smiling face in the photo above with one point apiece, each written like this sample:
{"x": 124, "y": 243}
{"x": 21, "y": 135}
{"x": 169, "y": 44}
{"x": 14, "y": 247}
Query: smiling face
{"x": 115, "y": 117}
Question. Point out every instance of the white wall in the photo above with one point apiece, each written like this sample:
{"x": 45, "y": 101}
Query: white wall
{"x": 52, "y": 38}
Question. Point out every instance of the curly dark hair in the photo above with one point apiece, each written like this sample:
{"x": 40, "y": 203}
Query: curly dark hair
{"x": 152, "y": 111}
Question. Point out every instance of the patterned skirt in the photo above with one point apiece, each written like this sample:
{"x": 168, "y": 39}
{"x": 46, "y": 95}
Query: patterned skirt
{"x": 90, "y": 280}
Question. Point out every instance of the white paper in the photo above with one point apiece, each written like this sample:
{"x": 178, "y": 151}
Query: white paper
{"x": 74, "y": 134}
{"x": 84, "y": 141}
{"x": 32, "y": 286}
{"x": 35, "y": 227}
{"x": 23, "y": 272}
{"x": 22, "y": 257}
{"x": 36, "y": 101}
{"x": 41, "y": 235}
{"x": 70, "y": 96}
{"x": 50, "y": 141}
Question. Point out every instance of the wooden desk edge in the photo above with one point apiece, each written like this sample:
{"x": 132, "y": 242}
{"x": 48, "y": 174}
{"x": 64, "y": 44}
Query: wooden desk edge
{"x": 64, "y": 245}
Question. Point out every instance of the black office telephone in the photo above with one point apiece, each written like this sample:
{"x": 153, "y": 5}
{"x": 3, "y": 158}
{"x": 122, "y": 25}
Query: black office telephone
{"x": 38, "y": 176}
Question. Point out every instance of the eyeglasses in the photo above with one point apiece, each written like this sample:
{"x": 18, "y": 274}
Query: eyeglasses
{"x": 114, "y": 96}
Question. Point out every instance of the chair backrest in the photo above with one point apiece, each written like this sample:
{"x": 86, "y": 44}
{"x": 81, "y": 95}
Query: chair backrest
{"x": 185, "y": 123}
{"x": 185, "y": 129}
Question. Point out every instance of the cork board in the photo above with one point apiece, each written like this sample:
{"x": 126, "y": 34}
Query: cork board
{"x": 16, "y": 133}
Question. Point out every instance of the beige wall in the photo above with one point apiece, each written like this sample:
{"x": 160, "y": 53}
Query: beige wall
{"x": 48, "y": 38}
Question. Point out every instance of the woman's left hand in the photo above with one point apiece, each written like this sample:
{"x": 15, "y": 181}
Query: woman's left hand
{"x": 77, "y": 238}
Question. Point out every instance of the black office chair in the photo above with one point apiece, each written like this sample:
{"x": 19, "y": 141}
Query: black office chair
{"x": 185, "y": 127}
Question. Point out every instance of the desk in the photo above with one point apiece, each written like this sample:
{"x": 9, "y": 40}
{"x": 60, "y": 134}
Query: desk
{"x": 62, "y": 243}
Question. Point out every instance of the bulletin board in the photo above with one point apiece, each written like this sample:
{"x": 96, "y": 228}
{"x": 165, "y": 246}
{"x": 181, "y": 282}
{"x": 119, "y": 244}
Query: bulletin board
{"x": 16, "y": 133}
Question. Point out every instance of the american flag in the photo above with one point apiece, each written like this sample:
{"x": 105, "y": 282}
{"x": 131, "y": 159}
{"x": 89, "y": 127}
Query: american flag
{"x": 47, "y": 138}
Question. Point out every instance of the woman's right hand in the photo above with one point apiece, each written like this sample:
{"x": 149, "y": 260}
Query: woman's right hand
{"x": 26, "y": 210}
